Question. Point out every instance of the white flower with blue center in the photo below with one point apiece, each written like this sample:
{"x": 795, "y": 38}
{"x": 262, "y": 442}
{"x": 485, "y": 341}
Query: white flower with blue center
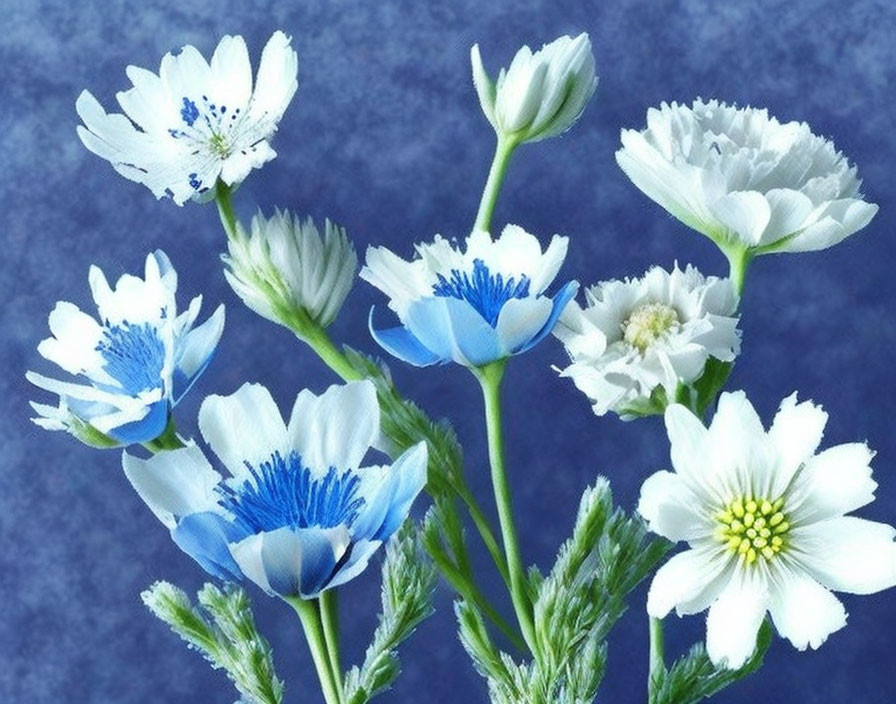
{"x": 196, "y": 121}
{"x": 298, "y": 513}
{"x": 285, "y": 269}
{"x": 139, "y": 358}
{"x": 540, "y": 94}
{"x": 765, "y": 518}
{"x": 744, "y": 179}
{"x": 639, "y": 335}
{"x": 472, "y": 307}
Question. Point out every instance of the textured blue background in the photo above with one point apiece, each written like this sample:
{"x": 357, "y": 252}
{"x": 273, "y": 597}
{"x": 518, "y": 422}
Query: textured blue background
{"x": 385, "y": 137}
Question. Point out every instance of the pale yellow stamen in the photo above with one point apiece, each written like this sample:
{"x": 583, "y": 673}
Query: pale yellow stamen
{"x": 753, "y": 528}
{"x": 649, "y": 323}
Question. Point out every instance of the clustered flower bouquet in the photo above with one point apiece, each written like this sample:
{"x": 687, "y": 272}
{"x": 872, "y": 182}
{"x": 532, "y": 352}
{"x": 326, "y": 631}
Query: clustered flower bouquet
{"x": 299, "y": 506}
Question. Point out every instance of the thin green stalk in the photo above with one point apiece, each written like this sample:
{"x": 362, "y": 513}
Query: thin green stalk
{"x": 739, "y": 259}
{"x": 485, "y": 531}
{"x": 168, "y": 440}
{"x": 503, "y": 151}
{"x": 469, "y": 591}
{"x": 317, "y": 338}
{"x": 657, "y": 660}
{"x": 225, "y": 209}
{"x": 329, "y": 613}
{"x": 490, "y": 379}
{"x": 309, "y": 615}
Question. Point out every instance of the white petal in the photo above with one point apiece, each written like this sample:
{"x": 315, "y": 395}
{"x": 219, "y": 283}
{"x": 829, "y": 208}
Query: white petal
{"x": 689, "y": 449}
{"x": 804, "y": 612}
{"x": 243, "y": 427}
{"x": 74, "y": 341}
{"x": 174, "y": 483}
{"x": 276, "y": 82}
{"x": 742, "y": 458}
{"x": 734, "y": 620}
{"x": 848, "y": 554}
{"x": 745, "y": 214}
{"x": 671, "y": 509}
{"x": 832, "y": 483}
{"x": 485, "y": 89}
{"x": 337, "y": 428}
{"x": 796, "y": 433}
{"x": 687, "y": 582}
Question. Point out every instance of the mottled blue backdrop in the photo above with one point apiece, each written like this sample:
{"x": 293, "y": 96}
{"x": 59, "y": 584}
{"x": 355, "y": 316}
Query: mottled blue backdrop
{"x": 385, "y": 136}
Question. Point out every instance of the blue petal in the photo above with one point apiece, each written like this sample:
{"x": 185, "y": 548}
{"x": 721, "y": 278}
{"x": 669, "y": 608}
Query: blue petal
{"x": 563, "y": 296}
{"x": 195, "y": 350}
{"x": 204, "y": 537}
{"x": 389, "y": 507}
{"x": 453, "y": 329}
{"x": 400, "y": 343}
{"x": 147, "y": 428}
{"x": 299, "y": 562}
{"x": 355, "y": 563}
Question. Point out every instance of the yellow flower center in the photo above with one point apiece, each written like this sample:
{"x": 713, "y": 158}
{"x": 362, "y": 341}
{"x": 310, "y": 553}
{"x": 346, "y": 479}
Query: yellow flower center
{"x": 753, "y": 528}
{"x": 649, "y": 323}
{"x": 219, "y": 145}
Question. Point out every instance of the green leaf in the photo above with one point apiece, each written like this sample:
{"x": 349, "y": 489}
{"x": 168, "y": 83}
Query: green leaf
{"x": 222, "y": 629}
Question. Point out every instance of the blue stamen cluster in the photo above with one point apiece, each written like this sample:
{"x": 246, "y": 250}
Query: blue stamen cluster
{"x": 487, "y": 293}
{"x": 135, "y": 356}
{"x": 282, "y": 493}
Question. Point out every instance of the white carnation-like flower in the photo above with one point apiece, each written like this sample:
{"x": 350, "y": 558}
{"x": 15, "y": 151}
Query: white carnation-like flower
{"x": 284, "y": 266}
{"x": 744, "y": 179}
{"x": 195, "y": 121}
{"x": 765, "y": 518}
{"x": 541, "y": 94}
{"x": 638, "y": 335}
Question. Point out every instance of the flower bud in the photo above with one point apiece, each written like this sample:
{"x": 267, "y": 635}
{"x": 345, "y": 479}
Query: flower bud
{"x": 284, "y": 269}
{"x": 540, "y": 95}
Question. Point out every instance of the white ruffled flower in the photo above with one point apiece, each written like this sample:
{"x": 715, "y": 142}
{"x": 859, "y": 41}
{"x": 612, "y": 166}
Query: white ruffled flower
{"x": 744, "y": 179}
{"x": 285, "y": 266}
{"x": 138, "y": 359}
{"x": 765, "y": 519}
{"x": 540, "y": 95}
{"x": 196, "y": 121}
{"x": 639, "y": 335}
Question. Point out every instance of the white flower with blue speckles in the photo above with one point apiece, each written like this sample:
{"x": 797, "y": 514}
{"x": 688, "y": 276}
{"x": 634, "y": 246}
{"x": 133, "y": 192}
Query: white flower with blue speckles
{"x": 284, "y": 268}
{"x": 195, "y": 122}
{"x": 299, "y": 514}
{"x": 540, "y": 94}
{"x": 765, "y": 518}
{"x": 474, "y": 306}
{"x": 639, "y": 335}
{"x": 139, "y": 358}
{"x": 744, "y": 179}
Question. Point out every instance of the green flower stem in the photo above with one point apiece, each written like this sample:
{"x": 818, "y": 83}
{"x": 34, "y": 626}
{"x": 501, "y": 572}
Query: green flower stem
{"x": 225, "y": 208}
{"x": 503, "y": 152}
{"x": 739, "y": 259}
{"x": 329, "y": 613}
{"x": 466, "y": 588}
{"x": 168, "y": 440}
{"x": 317, "y": 338}
{"x": 490, "y": 379}
{"x": 657, "y": 661}
{"x": 308, "y": 612}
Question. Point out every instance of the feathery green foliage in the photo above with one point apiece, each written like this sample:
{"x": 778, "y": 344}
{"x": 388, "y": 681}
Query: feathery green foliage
{"x": 408, "y": 583}
{"x": 222, "y": 628}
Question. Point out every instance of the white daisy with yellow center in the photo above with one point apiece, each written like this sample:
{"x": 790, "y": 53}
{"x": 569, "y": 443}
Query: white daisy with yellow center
{"x": 765, "y": 519}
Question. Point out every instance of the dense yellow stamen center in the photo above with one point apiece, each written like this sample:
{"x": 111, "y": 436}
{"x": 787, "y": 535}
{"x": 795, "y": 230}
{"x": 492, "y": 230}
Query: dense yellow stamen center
{"x": 649, "y": 323}
{"x": 218, "y": 143}
{"x": 753, "y": 528}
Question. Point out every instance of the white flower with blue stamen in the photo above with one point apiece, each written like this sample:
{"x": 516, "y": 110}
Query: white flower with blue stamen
{"x": 298, "y": 514}
{"x": 195, "y": 122}
{"x": 138, "y": 359}
{"x": 473, "y": 307}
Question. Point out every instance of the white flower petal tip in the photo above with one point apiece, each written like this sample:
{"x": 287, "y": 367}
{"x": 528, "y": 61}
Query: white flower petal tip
{"x": 764, "y": 515}
{"x": 474, "y": 305}
{"x": 286, "y": 269}
{"x": 298, "y": 514}
{"x": 636, "y": 341}
{"x": 540, "y": 94}
{"x": 133, "y": 364}
{"x": 195, "y": 122}
{"x": 744, "y": 179}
